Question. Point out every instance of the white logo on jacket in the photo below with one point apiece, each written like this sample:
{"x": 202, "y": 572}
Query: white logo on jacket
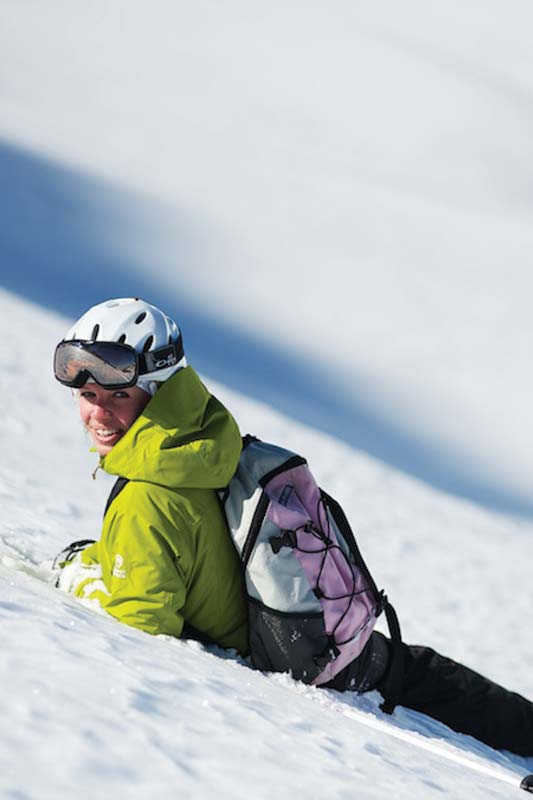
{"x": 118, "y": 567}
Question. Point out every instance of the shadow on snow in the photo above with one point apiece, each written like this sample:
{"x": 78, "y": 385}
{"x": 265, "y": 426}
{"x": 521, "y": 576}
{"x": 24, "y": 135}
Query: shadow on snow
{"x": 68, "y": 241}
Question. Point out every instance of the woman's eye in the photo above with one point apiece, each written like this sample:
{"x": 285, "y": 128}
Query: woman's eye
{"x": 121, "y": 394}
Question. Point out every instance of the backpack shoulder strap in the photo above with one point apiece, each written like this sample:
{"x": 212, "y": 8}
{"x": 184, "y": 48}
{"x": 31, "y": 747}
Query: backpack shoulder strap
{"x": 248, "y": 439}
{"x": 223, "y": 492}
{"x": 394, "y": 680}
{"x": 115, "y": 491}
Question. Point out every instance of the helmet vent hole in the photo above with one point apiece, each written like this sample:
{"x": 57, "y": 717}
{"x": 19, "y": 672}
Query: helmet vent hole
{"x": 148, "y": 343}
{"x": 122, "y": 338}
{"x": 94, "y": 334}
{"x": 140, "y": 318}
{"x": 170, "y": 338}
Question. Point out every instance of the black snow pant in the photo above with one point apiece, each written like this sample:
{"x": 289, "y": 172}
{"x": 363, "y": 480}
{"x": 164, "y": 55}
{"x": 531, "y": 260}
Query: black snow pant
{"x": 446, "y": 691}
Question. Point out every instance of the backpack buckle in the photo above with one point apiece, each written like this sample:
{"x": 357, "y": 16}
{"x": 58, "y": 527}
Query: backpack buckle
{"x": 331, "y": 653}
{"x": 287, "y": 539}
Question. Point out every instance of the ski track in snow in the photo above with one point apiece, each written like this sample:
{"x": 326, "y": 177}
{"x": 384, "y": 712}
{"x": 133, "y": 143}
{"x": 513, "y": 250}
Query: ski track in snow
{"x": 91, "y": 707}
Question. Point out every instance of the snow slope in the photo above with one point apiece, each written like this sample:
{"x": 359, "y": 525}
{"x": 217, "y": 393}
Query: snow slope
{"x": 360, "y": 173}
{"x": 335, "y": 201}
{"x": 93, "y": 708}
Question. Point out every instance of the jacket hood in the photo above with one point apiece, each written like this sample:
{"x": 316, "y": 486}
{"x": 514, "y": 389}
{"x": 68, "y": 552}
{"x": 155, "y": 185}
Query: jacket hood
{"x": 184, "y": 438}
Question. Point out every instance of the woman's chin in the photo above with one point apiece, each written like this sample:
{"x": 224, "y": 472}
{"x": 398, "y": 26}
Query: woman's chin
{"x": 103, "y": 448}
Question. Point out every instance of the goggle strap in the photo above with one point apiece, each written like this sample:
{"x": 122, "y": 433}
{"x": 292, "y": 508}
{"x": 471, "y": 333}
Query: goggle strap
{"x": 163, "y": 357}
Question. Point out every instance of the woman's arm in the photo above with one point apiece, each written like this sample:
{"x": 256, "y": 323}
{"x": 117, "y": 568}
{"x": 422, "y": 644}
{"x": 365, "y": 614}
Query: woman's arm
{"x": 132, "y": 574}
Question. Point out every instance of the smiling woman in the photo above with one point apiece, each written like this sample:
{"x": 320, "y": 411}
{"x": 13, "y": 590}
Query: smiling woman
{"x": 110, "y": 356}
{"x": 108, "y": 414}
{"x": 165, "y": 562}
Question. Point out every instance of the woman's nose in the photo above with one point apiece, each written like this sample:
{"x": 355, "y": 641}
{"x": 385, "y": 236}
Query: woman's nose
{"x": 101, "y": 410}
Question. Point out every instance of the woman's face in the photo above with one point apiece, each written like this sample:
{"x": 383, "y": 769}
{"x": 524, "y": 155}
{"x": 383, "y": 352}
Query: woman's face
{"x": 108, "y": 413}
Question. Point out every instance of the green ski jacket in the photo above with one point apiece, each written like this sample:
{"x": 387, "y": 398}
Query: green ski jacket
{"x": 165, "y": 557}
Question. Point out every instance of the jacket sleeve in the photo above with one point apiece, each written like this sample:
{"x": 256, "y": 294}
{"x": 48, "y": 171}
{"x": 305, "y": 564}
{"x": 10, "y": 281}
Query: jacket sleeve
{"x": 146, "y": 587}
{"x": 134, "y": 574}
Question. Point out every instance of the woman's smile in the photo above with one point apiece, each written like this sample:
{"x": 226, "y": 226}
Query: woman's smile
{"x": 107, "y": 414}
{"x": 107, "y": 435}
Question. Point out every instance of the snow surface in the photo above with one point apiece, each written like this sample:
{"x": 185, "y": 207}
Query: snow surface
{"x": 93, "y": 708}
{"x": 335, "y": 202}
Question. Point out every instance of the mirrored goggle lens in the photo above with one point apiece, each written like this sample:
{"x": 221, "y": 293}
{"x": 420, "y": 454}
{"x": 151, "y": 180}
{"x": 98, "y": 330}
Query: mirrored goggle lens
{"x": 110, "y": 365}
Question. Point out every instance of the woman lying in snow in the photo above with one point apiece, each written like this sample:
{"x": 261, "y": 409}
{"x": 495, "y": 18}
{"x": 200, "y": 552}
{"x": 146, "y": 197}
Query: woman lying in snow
{"x": 165, "y": 562}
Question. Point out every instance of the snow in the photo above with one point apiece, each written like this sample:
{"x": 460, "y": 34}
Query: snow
{"x": 91, "y": 706}
{"x": 363, "y": 170}
{"x": 335, "y": 205}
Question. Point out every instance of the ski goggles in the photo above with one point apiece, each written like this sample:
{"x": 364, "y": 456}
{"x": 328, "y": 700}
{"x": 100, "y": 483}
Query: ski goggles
{"x": 110, "y": 364}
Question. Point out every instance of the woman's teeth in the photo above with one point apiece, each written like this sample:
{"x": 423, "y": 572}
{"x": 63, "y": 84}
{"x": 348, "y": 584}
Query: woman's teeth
{"x": 107, "y": 433}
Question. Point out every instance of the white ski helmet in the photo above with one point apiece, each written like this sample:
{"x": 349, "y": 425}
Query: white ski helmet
{"x": 129, "y": 320}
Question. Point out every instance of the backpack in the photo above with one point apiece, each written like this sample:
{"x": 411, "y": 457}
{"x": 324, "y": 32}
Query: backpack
{"x": 312, "y": 603}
